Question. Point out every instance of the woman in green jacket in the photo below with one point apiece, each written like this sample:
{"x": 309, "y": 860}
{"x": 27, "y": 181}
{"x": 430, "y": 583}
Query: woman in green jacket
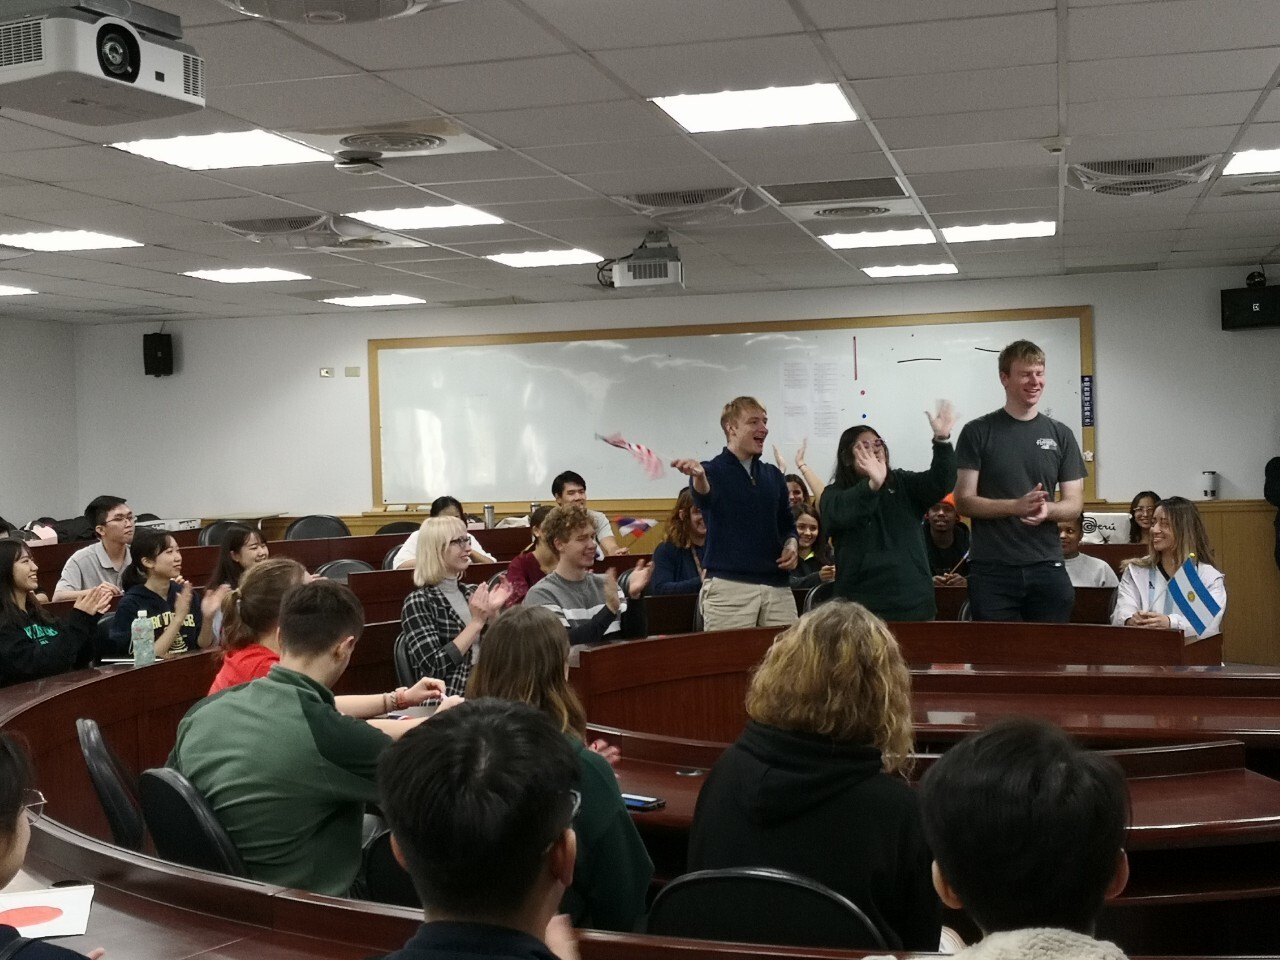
{"x": 873, "y": 515}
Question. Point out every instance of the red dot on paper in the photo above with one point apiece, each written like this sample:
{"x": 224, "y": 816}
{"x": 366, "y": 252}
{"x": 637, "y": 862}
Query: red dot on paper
{"x": 29, "y": 916}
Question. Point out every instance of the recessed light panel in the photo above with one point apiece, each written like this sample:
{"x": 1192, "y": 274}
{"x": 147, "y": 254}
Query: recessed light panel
{"x": 999, "y": 231}
{"x": 913, "y": 270}
{"x": 1253, "y": 161}
{"x": 545, "y": 258}
{"x": 63, "y": 240}
{"x": 755, "y": 109}
{"x": 14, "y": 291}
{"x": 224, "y": 151}
{"x": 246, "y": 275}
{"x": 877, "y": 238}
{"x": 375, "y": 300}
{"x": 425, "y": 218}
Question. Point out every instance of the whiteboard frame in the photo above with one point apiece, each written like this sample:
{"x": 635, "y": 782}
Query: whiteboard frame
{"x": 1082, "y": 314}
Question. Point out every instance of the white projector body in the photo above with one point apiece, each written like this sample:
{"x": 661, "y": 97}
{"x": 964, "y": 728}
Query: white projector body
{"x": 75, "y": 64}
{"x": 655, "y": 266}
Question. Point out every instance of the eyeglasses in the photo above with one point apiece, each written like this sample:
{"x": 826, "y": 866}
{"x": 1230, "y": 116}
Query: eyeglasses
{"x": 125, "y": 518}
{"x": 460, "y": 542}
{"x": 576, "y": 798}
{"x": 33, "y": 804}
{"x": 1137, "y": 510}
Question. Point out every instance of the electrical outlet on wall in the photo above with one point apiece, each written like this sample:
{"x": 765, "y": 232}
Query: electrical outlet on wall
{"x": 326, "y": 373}
{"x": 351, "y": 371}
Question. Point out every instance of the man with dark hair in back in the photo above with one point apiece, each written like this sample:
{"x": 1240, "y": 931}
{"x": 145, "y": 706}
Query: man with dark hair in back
{"x": 1027, "y": 832}
{"x": 105, "y": 560}
{"x": 569, "y": 487}
{"x": 286, "y": 774}
{"x": 481, "y": 805}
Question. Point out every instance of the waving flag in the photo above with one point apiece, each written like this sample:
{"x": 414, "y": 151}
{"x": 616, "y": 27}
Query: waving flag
{"x": 1192, "y": 598}
{"x": 634, "y": 526}
{"x": 651, "y": 462}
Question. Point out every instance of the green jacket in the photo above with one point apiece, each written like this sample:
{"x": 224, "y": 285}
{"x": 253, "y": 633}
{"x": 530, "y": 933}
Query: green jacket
{"x": 612, "y": 873}
{"x": 286, "y": 775}
{"x": 881, "y": 558}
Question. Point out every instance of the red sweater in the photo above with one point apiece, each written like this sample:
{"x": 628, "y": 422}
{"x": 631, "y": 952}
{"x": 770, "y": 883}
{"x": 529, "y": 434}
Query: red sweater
{"x": 241, "y": 666}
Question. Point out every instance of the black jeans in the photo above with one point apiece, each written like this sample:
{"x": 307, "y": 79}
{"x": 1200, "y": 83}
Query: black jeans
{"x": 1039, "y": 592}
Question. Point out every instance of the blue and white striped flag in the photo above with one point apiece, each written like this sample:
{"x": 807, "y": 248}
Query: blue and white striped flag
{"x": 1192, "y": 598}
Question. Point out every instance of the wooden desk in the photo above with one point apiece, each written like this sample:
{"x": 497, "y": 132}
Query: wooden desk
{"x": 1203, "y": 810}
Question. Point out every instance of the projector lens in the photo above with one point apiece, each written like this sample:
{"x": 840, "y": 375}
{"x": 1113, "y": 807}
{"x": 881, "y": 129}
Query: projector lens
{"x": 118, "y": 53}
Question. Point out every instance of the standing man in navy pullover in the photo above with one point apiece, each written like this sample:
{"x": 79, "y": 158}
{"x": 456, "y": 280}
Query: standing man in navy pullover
{"x": 751, "y": 535}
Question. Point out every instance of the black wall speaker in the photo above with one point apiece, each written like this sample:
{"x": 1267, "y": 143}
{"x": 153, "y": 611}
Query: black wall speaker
{"x": 1250, "y": 307}
{"x": 157, "y": 354}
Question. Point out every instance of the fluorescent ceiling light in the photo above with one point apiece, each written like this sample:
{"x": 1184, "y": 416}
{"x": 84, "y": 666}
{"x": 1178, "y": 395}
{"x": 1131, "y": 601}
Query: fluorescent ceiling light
{"x": 877, "y": 238}
{"x": 1253, "y": 161}
{"x": 915, "y": 270}
{"x": 545, "y": 258}
{"x": 999, "y": 231}
{"x": 753, "y": 109}
{"x": 222, "y": 151}
{"x": 246, "y": 275}
{"x": 14, "y": 291}
{"x": 425, "y": 218}
{"x": 375, "y": 300}
{"x": 59, "y": 240}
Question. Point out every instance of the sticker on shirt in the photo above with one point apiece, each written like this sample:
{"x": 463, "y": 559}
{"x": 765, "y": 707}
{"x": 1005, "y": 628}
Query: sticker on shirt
{"x": 1047, "y": 443}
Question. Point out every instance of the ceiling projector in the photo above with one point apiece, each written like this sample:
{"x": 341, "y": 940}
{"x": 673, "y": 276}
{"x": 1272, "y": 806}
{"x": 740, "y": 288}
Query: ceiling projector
{"x": 655, "y": 263}
{"x": 96, "y": 62}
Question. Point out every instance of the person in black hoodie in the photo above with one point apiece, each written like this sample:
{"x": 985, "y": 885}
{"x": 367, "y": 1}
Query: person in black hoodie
{"x": 815, "y": 783}
{"x": 33, "y": 644}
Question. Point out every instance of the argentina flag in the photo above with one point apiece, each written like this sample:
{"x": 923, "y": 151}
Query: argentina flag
{"x": 1192, "y": 598}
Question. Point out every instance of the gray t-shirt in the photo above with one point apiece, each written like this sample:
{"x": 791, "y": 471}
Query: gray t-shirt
{"x": 88, "y": 567}
{"x": 1011, "y": 457}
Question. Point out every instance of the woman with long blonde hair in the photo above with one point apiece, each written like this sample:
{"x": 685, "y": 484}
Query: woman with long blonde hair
{"x": 816, "y": 782}
{"x": 1147, "y": 596}
{"x": 526, "y": 659}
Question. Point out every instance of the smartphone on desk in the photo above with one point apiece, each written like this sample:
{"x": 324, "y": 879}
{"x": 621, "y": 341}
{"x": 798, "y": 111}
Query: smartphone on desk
{"x": 634, "y": 801}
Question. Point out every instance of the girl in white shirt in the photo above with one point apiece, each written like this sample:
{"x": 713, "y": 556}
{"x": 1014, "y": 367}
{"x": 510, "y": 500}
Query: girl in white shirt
{"x": 1177, "y": 533}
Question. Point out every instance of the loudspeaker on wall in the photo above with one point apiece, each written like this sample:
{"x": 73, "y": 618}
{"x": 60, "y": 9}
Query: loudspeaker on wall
{"x": 157, "y": 354}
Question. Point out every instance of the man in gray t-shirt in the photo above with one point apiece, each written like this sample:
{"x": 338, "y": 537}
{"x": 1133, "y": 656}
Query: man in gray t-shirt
{"x": 1009, "y": 464}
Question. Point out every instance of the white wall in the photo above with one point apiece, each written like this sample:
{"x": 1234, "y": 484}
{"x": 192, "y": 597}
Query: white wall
{"x": 38, "y": 462}
{"x": 246, "y": 424}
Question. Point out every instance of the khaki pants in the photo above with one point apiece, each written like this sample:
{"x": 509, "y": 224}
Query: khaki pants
{"x": 731, "y": 605}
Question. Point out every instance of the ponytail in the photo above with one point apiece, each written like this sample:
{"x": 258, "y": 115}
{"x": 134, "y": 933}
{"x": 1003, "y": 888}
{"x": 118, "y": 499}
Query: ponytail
{"x": 253, "y": 608}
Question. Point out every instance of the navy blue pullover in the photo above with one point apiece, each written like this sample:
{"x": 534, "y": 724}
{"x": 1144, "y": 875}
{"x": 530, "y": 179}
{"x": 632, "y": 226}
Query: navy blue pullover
{"x": 748, "y": 520}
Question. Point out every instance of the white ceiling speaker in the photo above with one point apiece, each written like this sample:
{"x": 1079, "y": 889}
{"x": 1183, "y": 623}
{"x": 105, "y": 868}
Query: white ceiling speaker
{"x": 871, "y": 198}
{"x": 693, "y": 207}
{"x": 1143, "y": 177}
{"x": 332, "y": 12}
{"x": 322, "y": 231}
{"x": 367, "y": 149}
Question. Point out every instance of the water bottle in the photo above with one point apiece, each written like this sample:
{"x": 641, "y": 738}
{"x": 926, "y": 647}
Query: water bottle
{"x": 488, "y": 516}
{"x": 142, "y": 640}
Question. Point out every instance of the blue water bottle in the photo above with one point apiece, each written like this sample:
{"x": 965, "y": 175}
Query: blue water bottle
{"x": 142, "y": 640}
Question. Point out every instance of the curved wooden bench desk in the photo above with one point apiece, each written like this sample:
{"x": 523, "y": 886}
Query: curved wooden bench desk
{"x": 1206, "y": 838}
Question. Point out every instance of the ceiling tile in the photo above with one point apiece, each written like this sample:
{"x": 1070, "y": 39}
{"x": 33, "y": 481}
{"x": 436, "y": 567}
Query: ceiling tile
{"x": 1157, "y": 143}
{"x": 960, "y": 128}
{"x": 539, "y": 82}
{"x": 963, "y": 92}
{"x": 581, "y": 123}
{"x": 726, "y": 65}
{"x": 621, "y": 155}
{"x": 655, "y": 22}
{"x": 486, "y": 192}
{"x": 790, "y": 142}
{"x": 1174, "y": 26}
{"x": 326, "y": 102}
{"x": 945, "y": 45}
{"x": 1182, "y": 74}
{"x": 974, "y": 157}
{"x": 866, "y": 13}
{"x": 1158, "y": 113}
{"x": 255, "y": 51}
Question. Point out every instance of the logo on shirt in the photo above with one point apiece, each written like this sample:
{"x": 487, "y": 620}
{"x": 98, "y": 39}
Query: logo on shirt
{"x": 1047, "y": 443}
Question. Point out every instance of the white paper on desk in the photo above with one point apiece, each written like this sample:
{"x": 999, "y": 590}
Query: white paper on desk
{"x": 52, "y": 912}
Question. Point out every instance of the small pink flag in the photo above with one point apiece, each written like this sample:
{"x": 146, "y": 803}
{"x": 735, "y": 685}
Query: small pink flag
{"x": 651, "y": 462}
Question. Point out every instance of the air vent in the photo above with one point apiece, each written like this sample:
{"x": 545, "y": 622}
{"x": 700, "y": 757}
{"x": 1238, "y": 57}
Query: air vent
{"x": 323, "y": 13}
{"x": 1143, "y": 177}
{"x": 850, "y": 212}
{"x": 648, "y": 270}
{"x": 21, "y": 43}
{"x": 693, "y": 207}
{"x": 833, "y": 192}
{"x": 318, "y": 232}
{"x": 393, "y": 141}
{"x": 192, "y": 76}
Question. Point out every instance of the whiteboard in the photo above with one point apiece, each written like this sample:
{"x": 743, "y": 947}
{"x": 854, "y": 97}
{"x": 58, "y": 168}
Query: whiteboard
{"x": 491, "y": 421}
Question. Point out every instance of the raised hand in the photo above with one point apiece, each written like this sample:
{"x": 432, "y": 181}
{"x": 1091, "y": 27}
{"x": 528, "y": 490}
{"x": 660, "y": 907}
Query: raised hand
{"x": 611, "y": 591}
{"x": 943, "y": 421}
{"x": 689, "y": 467}
{"x": 182, "y": 605}
{"x": 867, "y": 463}
{"x": 780, "y": 460}
{"x": 499, "y": 595}
{"x": 639, "y": 579}
{"x": 478, "y": 604}
{"x": 211, "y": 602}
{"x": 804, "y": 444}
